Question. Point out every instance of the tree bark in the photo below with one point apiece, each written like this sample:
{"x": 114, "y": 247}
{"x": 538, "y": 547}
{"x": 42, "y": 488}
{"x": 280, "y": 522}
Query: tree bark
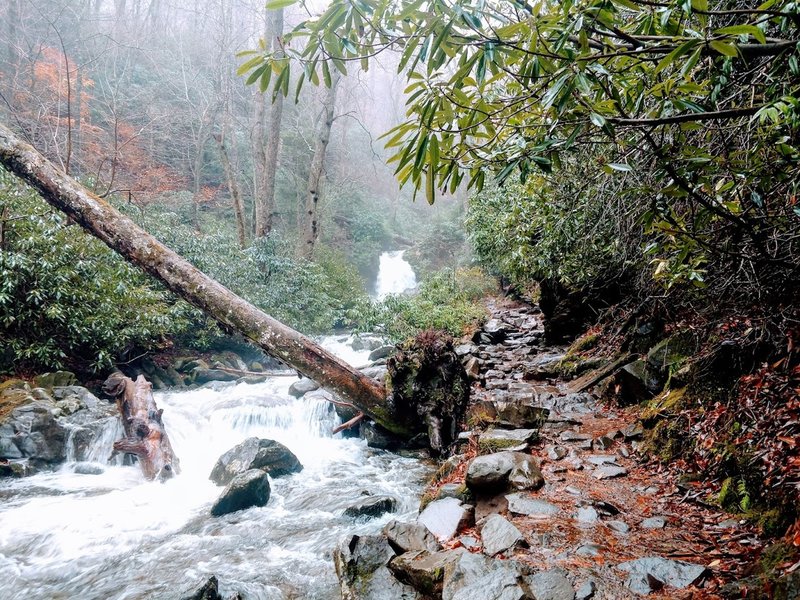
{"x": 265, "y": 210}
{"x": 233, "y": 188}
{"x": 313, "y": 194}
{"x": 123, "y": 236}
{"x": 144, "y": 431}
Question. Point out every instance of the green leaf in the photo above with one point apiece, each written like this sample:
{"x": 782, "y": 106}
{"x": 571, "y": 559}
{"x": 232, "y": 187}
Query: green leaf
{"x": 743, "y": 30}
{"x": 278, "y": 4}
{"x": 724, "y": 48}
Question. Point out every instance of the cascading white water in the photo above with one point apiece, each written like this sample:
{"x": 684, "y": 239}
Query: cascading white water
{"x": 395, "y": 275}
{"x": 114, "y": 535}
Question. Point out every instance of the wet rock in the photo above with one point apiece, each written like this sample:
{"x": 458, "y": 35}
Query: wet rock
{"x": 466, "y": 349}
{"x": 522, "y": 504}
{"x": 609, "y": 472}
{"x": 654, "y": 523}
{"x": 371, "y": 507}
{"x": 13, "y": 469}
{"x": 495, "y": 330}
{"x": 587, "y": 590}
{"x": 506, "y": 439}
{"x": 498, "y": 471}
{"x": 550, "y": 585}
{"x": 422, "y": 570}
{"x": 618, "y": 526}
{"x": 649, "y": 574}
{"x": 477, "y": 577}
{"x": 254, "y": 453}
{"x": 605, "y": 508}
{"x": 589, "y": 550}
{"x": 376, "y": 372}
{"x": 49, "y": 381}
{"x": 454, "y": 490}
{"x": 245, "y": 490}
{"x": 572, "y": 436}
{"x": 587, "y": 515}
{"x": 366, "y": 342}
{"x": 209, "y": 590}
{"x": 302, "y": 387}
{"x": 526, "y": 474}
{"x": 603, "y": 443}
{"x": 87, "y": 468}
{"x": 633, "y": 431}
{"x": 556, "y": 452}
{"x": 361, "y": 566}
{"x": 473, "y": 368}
{"x": 499, "y": 535}
{"x": 520, "y": 415}
{"x": 444, "y": 518}
{"x": 201, "y": 376}
{"x": 410, "y": 537}
{"x": 378, "y": 437}
{"x": 382, "y": 352}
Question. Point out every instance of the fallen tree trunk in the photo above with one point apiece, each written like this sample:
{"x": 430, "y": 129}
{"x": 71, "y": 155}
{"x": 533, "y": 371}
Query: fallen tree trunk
{"x": 144, "y": 430}
{"x": 123, "y": 236}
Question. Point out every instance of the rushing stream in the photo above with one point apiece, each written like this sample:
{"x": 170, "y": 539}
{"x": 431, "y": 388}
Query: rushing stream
{"x": 115, "y": 535}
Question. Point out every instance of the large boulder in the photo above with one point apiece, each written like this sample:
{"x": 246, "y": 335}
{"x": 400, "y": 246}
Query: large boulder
{"x": 245, "y": 490}
{"x": 255, "y": 453}
{"x": 501, "y": 470}
{"x": 361, "y": 566}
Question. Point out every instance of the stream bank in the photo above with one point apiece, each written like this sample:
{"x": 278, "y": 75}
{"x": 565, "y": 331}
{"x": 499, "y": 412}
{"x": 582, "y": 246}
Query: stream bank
{"x": 593, "y": 514}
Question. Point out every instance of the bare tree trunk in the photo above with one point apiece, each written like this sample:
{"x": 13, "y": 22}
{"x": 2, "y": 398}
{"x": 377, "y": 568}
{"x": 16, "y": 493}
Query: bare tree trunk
{"x": 233, "y": 188}
{"x": 122, "y": 235}
{"x": 144, "y": 430}
{"x": 265, "y": 204}
{"x": 313, "y": 193}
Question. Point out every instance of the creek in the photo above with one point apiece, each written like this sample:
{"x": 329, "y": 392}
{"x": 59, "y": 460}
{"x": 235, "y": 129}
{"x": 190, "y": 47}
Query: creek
{"x": 65, "y": 535}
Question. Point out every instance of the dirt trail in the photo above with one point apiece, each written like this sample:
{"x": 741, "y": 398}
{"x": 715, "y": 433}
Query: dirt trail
{"x": 606, "y": 503}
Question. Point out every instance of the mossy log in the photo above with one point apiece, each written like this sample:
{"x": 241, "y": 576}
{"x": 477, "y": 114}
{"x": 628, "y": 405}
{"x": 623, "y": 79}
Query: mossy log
{"x": 145, "y": 436}
{"x": 140, "y": 248}
{"x": 429, "y": 388}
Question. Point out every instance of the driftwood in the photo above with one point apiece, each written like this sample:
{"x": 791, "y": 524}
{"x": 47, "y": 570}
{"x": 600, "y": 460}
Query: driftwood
{"x": 144, "y": 430}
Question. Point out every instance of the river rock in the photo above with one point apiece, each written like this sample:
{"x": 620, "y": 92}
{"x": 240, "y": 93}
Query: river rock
{"x": 498, "y": 471}
{"x": 382, "y": 352}
{"x": 422, "y": 570}
{"x": 648, "y": 574}
{"x": 268, "y": 456}
{"x": 209, "y": 590}
{"x": 410, "y": 537}
{"x": 302, "y": 387}
{"x": 245, "y": 490}
{"x": 499, "y": 535}
{"x": 520, "y": 415}
{"x": 88, "y": 468}
{"x": 201, "y": 376}
{"x": 506, "y": 439}
{"x": 477, "y": 577}
{"x": 445, "y": 517}
{"x": 550, "y": 585}
{"x": 371, "y": 507}
{"x": 366, "y": 342}
{"x": 522, "y": 504}
{"x": 361, "y": 566}
{"x": 49, "y": 381}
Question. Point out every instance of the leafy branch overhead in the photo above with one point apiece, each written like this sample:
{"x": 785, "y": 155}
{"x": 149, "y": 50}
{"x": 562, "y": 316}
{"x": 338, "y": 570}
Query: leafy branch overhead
{"x": 508, "y": 86}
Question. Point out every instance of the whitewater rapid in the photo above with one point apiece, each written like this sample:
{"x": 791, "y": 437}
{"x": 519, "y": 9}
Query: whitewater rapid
{"x": 117, "y": 536}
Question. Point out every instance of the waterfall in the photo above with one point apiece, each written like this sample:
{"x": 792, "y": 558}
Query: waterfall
{"x": 395, "y": 275}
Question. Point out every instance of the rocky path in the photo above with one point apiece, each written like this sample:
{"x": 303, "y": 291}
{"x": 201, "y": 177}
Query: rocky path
{"x": 549, "y": 498}
{"x": 605, "y": 514}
